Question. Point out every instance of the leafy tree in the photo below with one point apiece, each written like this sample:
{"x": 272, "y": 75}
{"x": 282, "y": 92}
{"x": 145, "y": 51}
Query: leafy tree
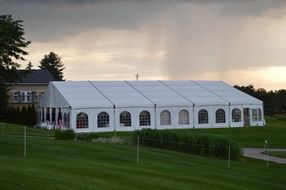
{"x": 53, "y": 63}
{"x": 12, "y": 44}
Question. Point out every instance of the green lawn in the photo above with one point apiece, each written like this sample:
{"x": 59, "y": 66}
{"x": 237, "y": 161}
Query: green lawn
{"x": 72, "y": 165}
{"x": 274, "y": 132}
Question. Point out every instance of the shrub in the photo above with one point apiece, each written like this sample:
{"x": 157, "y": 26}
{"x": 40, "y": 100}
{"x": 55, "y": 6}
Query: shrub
{"x": 64, "y": 135}
{"x": 204, "y": 145}
{"x": 84, "y": 137}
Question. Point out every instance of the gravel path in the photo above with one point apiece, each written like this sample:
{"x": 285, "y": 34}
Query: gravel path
{"x": 257, "y": 153}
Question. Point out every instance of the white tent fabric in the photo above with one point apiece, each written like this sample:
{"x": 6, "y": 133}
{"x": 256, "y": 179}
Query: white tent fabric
{"x": 195, "y": 93}
{"x": 111, "y": 98}
{"x": 228, "y": 93}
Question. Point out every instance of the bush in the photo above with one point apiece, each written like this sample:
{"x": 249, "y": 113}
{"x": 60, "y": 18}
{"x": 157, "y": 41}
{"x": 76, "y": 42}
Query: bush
{"x": 84, "y": 137}
{"x": 204, "y": 145}
{"x": 64, "y": 135}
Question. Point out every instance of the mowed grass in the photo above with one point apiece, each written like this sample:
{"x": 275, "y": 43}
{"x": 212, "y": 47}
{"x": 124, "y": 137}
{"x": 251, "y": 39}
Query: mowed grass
{"x": 72, "y": 165}
{"x": 274, "y": 132}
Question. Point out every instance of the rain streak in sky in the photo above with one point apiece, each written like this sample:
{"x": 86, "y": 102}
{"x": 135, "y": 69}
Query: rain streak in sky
{"x": 239, "y": 41}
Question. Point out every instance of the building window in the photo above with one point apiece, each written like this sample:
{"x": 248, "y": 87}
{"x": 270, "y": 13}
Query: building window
{"x": 25, "y": 96}
{"x": 220, "y": 116}
{"x": 236, "y": 115}
{"x": 184, "y": 118}
{"x": 125, "y": 119}
{"x": 144, "y": 118}
{"x": 165, "y": 118}
{"x": 203, "y": 116}
{"x": 68, "y": 120}
{"x": 81, "y": 120}
{"x": 16, "y": 96}
{"x": 103, "y": 120}
{"x": 43, "y": 114}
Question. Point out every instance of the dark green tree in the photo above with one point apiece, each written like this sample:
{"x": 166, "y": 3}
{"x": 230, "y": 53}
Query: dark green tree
{"x": 53, "y": 63}
{"x": 12, "y": 43}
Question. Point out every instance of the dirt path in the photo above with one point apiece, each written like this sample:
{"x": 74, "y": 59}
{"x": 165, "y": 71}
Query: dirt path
{"x": 257, "y": 153}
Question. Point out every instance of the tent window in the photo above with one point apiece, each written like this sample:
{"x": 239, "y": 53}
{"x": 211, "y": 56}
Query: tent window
{"x": 125, "y": 119}
{"x": 165, "y": 118}
{"x": 184, "y": 117}
{"x": 81, "y": 120}
{"x": 103, "y": 120}
{"x": 220, "y": 116}
{"x": 236, "y": 115}
{"x": 145, "y": 118}
{"x": 203, "y": 116}
{"x": 256, "y": 115}
{"x": 259, "y": 114}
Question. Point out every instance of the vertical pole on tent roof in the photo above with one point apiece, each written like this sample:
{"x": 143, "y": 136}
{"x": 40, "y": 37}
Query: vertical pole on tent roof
{"x": 25, "y": 142}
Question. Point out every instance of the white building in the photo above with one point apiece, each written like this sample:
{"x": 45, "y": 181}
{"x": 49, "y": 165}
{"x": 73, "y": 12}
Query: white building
{"x": 97, "y": 106}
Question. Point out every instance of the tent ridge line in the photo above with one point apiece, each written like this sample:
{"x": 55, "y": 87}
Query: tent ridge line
{"x": 176, "y": 92}
{"x": 140, "y": 93}
{"x": 102, "y": 94}
{"x": 211, "y": 92}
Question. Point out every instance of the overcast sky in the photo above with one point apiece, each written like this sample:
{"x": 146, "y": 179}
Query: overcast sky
{"x": 239, "y": 41}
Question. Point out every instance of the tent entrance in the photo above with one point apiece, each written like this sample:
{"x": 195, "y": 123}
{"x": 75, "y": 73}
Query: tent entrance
{"x": 246, "y": 117}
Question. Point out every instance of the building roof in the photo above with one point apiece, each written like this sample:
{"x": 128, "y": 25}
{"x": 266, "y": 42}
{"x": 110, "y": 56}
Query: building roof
{"x": 108, "y": 94}
{"x": 36, "y": 76}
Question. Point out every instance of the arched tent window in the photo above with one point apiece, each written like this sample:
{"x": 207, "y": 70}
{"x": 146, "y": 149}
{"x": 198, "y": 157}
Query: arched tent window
{"x": 165, "y": 118}
{"x": 203, "y": 116}
{"x": 81, "y": 120}
{"x": 125, "y": 119}
{"x": 102, "y": 120}
{"x": 144, "y": 118}
{"x": 220, "y": 116}
{"x": 184, "y": 118}
{"x": 236, "y": 115}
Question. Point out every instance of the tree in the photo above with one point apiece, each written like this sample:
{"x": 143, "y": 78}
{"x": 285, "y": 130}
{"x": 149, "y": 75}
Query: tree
{"x": 53, "y": 63}
{"x": 12, "y": 44}
{"x": 29, "y": 66}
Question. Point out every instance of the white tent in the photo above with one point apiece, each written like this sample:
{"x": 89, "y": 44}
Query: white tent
{"x": 94, "y": 106}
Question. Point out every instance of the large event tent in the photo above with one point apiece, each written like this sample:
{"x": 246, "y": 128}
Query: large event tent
{"x": 94, "y": 106}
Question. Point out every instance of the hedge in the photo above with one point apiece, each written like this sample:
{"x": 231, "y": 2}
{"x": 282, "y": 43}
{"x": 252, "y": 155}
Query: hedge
{"x": 199, "y": 144}
{"x": 64, "y": 134}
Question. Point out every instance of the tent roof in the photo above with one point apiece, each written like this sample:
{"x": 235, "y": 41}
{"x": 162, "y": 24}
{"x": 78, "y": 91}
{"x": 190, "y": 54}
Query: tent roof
{"x": 196, "y": 93}
{"x": 106, "y": 94}
{"x": 228, "y": 93}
